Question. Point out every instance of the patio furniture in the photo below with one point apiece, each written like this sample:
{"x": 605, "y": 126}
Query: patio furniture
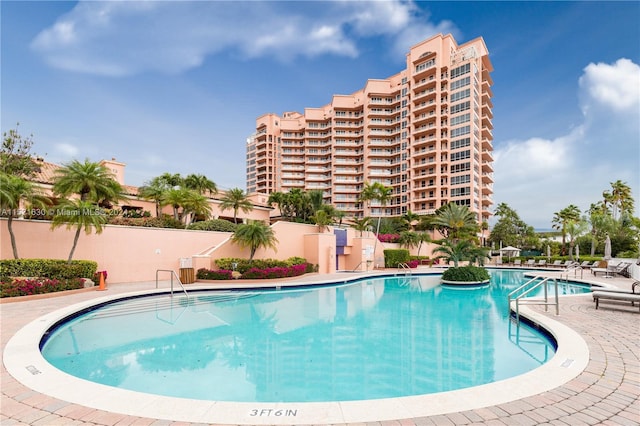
{"x": 617, "y": 296}
{"x": 531, "y": 262}
{"x": 541, "y": 263}
{"x": 556, "y": 263}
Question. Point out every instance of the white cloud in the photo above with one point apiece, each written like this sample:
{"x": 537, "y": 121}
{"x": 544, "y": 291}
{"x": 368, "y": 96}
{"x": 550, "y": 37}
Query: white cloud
{"x": 540, "y": 176}
{"x": 615, "y": 86}
{"x": 66, "y": 150}
{"x": 127, "y": 37}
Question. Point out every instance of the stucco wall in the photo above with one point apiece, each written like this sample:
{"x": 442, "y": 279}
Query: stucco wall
{"x": 132, "y": 254}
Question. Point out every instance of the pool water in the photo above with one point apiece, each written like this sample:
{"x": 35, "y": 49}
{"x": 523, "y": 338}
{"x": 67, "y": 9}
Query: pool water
{"x": 372, "y": 338}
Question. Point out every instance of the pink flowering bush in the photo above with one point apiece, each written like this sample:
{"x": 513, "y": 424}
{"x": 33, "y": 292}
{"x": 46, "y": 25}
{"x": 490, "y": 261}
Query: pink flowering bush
{"x": 210, "y": 274}
{"x": 275, "y": 272}
{"x": 256, "y": 273}
{"x": 413, "y": 263}
{"x": 388, "y": 238}
{"x": 28, "y": 287}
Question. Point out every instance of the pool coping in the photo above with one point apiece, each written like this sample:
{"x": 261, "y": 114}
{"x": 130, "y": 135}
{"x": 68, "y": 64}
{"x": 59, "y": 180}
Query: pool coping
{"x": 23, "y": 360}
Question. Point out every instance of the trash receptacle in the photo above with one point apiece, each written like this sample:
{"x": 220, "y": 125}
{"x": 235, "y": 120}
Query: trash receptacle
{"x": 187, "y": 275}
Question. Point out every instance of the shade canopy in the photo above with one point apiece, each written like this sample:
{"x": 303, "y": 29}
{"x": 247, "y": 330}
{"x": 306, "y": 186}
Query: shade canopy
{"x": 510, "y": 251}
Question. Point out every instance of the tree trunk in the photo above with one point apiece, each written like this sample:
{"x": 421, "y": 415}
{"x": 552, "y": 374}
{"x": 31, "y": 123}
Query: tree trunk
{"x": 13, "y": 237}
{"x": 75, "y": 243}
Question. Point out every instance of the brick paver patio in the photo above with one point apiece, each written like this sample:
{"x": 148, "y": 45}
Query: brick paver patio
{"x": 607, "y": 392}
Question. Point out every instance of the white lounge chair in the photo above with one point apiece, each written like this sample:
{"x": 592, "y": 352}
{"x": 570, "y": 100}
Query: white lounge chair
{"x": 614, "y": 295}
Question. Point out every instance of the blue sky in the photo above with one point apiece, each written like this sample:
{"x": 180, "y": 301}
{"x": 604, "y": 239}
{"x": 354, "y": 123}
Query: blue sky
{"x": 176, "y": 86}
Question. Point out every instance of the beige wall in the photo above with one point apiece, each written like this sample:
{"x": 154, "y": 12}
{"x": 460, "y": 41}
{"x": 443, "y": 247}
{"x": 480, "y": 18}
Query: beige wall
{"x": 131, "y": 254}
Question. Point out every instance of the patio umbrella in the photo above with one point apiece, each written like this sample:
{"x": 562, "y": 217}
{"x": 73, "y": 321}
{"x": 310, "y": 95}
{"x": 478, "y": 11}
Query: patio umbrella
{"x": 510, "y": 252}
{"x": 607, "y": 248}
{"x": 577, "y": 252}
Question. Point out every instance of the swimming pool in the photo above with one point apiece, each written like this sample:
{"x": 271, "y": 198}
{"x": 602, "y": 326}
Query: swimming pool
{"x": 367, "y": 339}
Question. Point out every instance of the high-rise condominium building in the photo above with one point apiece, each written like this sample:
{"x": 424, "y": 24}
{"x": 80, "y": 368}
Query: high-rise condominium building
{"x": 424, "y": 132}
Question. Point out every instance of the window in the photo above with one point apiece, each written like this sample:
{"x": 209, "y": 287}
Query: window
{"x": 460, "y": 192}
{"x": 458, "y": 71}
{"x": 465, "y": 118}
{"x": 460, "y": 143}
{"x": 460, "y": 83}
{"x": 462, "y": 155}
{"x": 460, "y": 95}
{"x": 458, "y": 180}
{"x": 464, "y": 106}
{"x": 465, "y": 130}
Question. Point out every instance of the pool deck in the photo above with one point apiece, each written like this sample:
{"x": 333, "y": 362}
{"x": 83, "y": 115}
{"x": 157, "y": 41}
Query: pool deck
{"x": 606, "y": 392}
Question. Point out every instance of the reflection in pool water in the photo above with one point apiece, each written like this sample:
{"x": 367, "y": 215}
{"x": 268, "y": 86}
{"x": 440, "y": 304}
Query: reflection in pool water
{"x": 372, "y": 338}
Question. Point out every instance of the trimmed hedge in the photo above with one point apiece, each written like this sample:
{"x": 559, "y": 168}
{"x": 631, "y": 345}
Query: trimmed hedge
{"x": 466, "y": 273}
{"x": 394, "y": 257}
{"x": 48, "y": 268}
{"x": 219, "y": 225}
{"x": 243, "y": 265}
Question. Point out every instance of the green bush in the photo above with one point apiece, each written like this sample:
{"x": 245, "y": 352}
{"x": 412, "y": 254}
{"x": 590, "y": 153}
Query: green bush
{"x": 466, "y": 273}
{"x": 219, "y": 225}
{"x": 148, "y": 222}
{"x": 243, "y": 265}
{"x": 48, "y": 268}
{"x": 393, "y": 257}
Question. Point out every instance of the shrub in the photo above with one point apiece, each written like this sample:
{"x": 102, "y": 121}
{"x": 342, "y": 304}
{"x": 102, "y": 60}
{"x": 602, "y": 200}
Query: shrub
{"x": 219, "y": 225}
{"x": 27, "y": 287}
{"x": 393, "y": 257}
{"x": 275, "y": 272}
{"x": 243, "y": 265}
{"x": 466, "y": 273}
{"x": 389, "y": 238}
{"x": 209, "y": 274}
{"x": 148, "y": 222}
{"x": 48, "y": 268}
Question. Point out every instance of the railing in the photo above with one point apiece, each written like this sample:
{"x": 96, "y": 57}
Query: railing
{"x": 405, "y": 267}
{"x": 173, "y": 274}
{"x": 574, "y": 267}
{"x": 527, "y": 288}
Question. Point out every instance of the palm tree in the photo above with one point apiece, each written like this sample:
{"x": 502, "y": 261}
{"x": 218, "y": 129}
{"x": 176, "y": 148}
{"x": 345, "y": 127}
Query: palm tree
{"x": 176, "y": 198}
{"x": 201, "y": 184}
{"x": 423, "y": 238}
{"x": 620, "y": 198}
{"x": 195, "y": 204}
{"x": 560, "y": 219}
{"x": 154, "y": 191}
{"x": 236, "y": 199}
{"x": 455, "y": 221}
{"x": 79, "y": 214}
{"x": 361, "y": 225}
{"x": 15, "y": 190}
{"x": 323, "y": 219}
{"x": 410, "y": 217}
{"x": 409, "y": 239}
{"x": 454, "y": 251}
{"x": 92, "y": 181}
{"x": 376, "y": 192}
{"x": 254, "y": 235}
{"x": 316, "y": 198}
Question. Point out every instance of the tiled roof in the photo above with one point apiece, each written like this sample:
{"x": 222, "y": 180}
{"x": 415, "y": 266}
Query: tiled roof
{"x": 47, "y": 172}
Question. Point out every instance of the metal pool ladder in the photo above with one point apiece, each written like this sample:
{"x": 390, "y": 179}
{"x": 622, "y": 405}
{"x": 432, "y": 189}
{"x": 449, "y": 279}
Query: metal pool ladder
{"x": 405, "y": 267}
{"x": 173, "y": 274}
{"x": 527, "y": 288}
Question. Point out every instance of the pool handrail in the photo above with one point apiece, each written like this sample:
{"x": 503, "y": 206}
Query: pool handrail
{"x": 534, "y": 285}
{"x": 173, "y": 274}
